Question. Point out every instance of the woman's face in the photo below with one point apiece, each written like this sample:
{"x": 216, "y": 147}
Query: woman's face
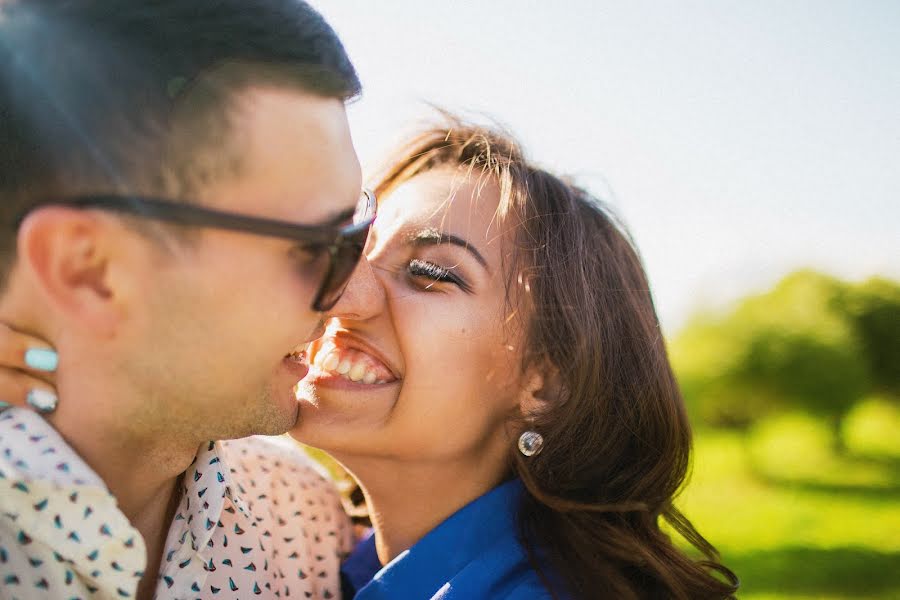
{"x": 429, "y": 368}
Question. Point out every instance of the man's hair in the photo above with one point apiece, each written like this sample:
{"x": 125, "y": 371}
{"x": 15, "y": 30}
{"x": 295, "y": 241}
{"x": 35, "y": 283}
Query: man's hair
{"x": 126, "y": 96}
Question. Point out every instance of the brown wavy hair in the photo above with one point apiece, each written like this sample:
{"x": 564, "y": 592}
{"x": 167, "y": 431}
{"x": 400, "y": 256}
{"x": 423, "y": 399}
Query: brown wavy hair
{"x": 617, "y": 438}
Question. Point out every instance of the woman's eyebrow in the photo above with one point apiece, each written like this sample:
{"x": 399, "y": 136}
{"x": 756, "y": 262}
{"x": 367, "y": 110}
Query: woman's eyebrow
{"x": 433, "y": 237}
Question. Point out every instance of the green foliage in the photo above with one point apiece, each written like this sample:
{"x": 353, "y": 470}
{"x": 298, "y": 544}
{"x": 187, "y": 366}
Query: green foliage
{"x": 792, "y": 518}
{"x": 872, "y": 429}
{"x": 795, "y": 449}
{"x": 873, "y": 308}
{"x": 812, "y": 343}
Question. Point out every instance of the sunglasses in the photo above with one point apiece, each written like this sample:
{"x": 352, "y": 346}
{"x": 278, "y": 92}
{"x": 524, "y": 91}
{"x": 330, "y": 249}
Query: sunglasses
{"x": 344, "y": 245}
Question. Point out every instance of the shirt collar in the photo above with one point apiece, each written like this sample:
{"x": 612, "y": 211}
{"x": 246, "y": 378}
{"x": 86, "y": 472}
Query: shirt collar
{"x": 206, "y": 485}
{"x": 63, "y": 504}
{"x": 39, "y": 453}
{"x": 360, "y": 567}
{"x": 441, "y": 553}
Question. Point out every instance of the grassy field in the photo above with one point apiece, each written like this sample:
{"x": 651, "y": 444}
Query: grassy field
{"x": 795, "y": 520}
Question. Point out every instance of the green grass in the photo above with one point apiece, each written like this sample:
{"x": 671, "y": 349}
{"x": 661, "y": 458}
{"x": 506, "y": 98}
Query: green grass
{"x": 795, "y": 520}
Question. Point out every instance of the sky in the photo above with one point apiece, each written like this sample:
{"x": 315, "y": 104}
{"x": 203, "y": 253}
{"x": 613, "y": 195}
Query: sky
{"x": 738, "y": 140}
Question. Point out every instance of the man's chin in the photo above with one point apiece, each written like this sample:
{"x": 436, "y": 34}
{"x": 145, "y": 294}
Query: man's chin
{"x": 270, "y": 413}
{"x": 286, "y": 411}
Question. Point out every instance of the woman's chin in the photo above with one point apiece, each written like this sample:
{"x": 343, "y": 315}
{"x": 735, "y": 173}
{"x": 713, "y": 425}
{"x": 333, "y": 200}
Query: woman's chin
{"x": 339, "y": 413}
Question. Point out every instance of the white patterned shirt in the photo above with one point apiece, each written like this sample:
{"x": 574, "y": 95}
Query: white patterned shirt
{"x": 256, "y": 519}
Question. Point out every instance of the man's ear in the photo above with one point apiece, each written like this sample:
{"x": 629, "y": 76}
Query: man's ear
{"x": 66, "y": 252}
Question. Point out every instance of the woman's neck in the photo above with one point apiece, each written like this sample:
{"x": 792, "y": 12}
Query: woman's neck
{"x": 407, "y": 500}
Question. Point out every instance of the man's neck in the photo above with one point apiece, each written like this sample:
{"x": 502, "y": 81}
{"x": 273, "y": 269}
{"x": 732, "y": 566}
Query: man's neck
{"x": 153, "y": 524}
{"x": 139, "y": 455}
{"x": 141, "y": 469}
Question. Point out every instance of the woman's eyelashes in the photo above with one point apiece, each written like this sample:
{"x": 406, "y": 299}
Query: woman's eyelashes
{"x": 421, "y": 269}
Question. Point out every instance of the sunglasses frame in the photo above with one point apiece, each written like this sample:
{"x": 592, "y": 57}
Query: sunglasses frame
{"x": 336, "y": 238}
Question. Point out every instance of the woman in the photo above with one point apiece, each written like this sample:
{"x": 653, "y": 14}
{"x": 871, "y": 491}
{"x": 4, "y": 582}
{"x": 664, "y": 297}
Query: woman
{"x": 505, "y": 401}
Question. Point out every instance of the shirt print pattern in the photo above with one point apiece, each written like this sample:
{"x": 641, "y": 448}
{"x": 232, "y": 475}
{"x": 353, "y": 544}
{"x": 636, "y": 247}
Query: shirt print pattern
{"x": 62, "y": 535}
{"x": 267, "y": 525}
{"x": 256, "y": 520}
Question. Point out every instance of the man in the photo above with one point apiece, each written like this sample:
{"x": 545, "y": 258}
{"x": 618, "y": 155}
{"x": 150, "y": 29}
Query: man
{"x": 180, "y": 200}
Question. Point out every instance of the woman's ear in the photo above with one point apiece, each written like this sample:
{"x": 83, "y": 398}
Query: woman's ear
{"x": 542, "y": 388}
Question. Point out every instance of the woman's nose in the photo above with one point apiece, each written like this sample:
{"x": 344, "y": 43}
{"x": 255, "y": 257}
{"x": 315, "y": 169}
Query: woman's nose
{"x": 363, "y": 298}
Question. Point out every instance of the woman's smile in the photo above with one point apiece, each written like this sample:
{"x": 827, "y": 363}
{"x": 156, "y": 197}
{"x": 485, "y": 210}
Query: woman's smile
{"x": 345, "y": 361}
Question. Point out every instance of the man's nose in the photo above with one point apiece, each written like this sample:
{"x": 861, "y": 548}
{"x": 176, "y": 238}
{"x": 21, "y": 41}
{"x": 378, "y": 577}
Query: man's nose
{"x": 363, "y": 298}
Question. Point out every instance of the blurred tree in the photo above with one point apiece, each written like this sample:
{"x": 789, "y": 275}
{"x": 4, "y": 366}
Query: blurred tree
{"x": 873, "y": 308}
{"x": 812, "y": 343}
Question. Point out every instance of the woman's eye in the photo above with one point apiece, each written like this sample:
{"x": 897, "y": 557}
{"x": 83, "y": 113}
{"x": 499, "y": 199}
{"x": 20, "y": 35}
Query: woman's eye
{"x": 420, "y": 269}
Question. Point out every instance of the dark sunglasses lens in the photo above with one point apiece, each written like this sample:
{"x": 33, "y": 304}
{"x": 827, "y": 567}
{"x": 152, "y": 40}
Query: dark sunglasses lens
{"x": 343, "y": 263}
{"x": 347, "y": 256}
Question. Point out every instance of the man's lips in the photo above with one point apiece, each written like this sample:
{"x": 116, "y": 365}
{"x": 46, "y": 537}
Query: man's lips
{"x": 296, "y": 364}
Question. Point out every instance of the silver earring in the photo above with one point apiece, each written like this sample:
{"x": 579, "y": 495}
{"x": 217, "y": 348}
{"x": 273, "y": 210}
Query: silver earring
{"x": 531, "y": 443}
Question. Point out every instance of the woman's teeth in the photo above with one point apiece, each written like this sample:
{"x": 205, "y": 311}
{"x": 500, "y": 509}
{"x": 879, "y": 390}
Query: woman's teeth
{"x": 331, "y": 363}
{"x": 351, "y": 365}
{"x": 357, "y": 372}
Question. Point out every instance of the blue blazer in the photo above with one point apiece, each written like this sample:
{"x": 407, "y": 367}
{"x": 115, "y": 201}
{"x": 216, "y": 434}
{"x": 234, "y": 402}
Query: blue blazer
{"x": 475, "y": 554}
